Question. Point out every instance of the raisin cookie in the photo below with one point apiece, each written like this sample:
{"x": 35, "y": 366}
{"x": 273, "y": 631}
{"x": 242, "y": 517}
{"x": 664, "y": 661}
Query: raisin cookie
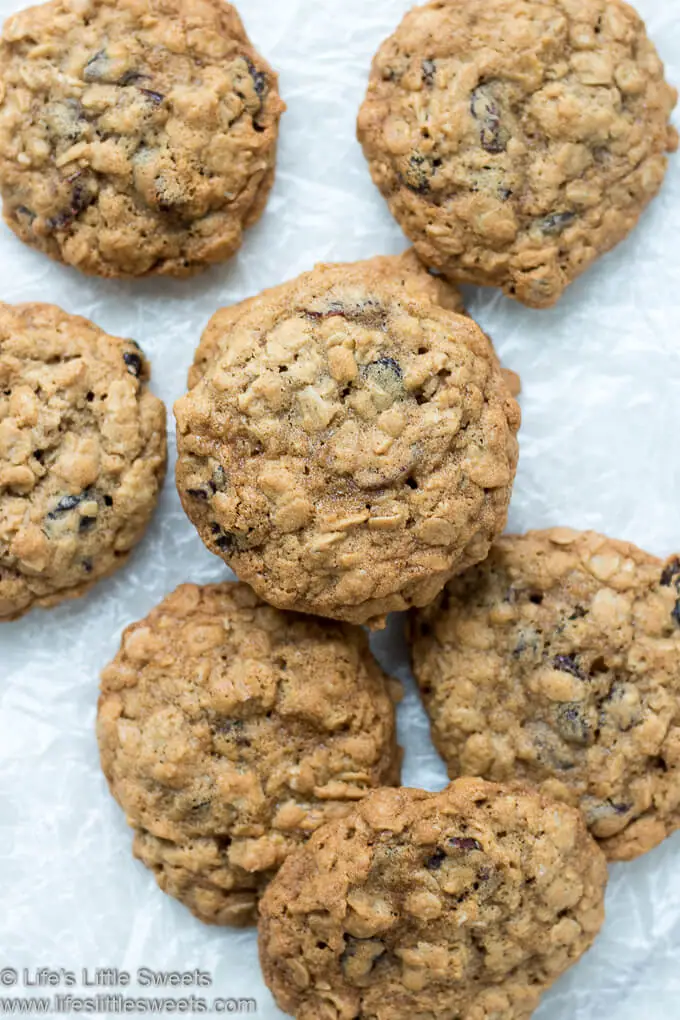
{"x": 465, "y": 903}
{"x": 516, "y": 141}
{"x": 352, "y": 442}
{"x": 557, "y": 661}
{"x": 135, "y": 137}
{"x": 82, "y": 454}
{"x": 229, "y": 731}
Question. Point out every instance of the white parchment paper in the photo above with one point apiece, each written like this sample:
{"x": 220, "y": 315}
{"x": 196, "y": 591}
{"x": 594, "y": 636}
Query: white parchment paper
{"x": 599, "y": 448}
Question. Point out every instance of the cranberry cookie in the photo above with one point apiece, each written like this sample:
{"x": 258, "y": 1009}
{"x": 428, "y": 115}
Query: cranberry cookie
{"x": 229, "y": 731}
{"x": 465, "y": 903}
{"x": 557, "y": 662}
{"x": 517, "y": 140}
{"x": 82, "y": 454}
{"x": 351, "y": 443}
{"x": 135, "y": 137}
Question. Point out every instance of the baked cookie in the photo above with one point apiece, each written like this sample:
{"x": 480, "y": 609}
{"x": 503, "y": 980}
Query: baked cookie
{"x": 136, "y": 136}
{"x": 465, "y": 903}
{"x": 82, "y": 454}
{"x": 351, "y": 444}
{"x": 229, "y": 731}
{"x": 517, "y": 140}
{"x": 557, "y": 662}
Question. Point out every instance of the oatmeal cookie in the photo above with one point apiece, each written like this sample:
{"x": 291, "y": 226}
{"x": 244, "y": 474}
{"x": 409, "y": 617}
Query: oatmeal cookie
{"x": 517, "y": 140}
{"x": 229, "y": 731}
{"x": 557, "y": 662}
{"x": 82, "y": 454}
{"x": 465, "y": 903}
{"x": 351, "y": 444}
{"x": 136, "y": 136}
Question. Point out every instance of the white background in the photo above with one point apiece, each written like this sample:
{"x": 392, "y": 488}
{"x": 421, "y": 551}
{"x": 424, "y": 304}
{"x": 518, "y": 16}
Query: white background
{"x": 599, "y": 448}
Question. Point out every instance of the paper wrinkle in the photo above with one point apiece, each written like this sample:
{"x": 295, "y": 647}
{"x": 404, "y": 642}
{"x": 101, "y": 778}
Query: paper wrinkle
{"x": 600, "y": 375}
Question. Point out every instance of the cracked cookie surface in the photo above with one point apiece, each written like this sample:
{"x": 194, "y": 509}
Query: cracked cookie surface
{"x": 516, "y": 141}
{"x": 229, "y": 731}
{"x": 82, "y": 454}
{"x": 557, "y": 662}
{"x": 464, "y": 903}
{"x": 351, "y": 443}
{"x": 136, "y": 136}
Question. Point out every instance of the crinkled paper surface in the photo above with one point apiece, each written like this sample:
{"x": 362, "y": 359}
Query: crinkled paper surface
{"x": 601, "y": 406}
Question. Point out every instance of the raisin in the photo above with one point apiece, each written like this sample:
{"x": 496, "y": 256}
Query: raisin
{"x": 226, "y": 542}
{"x": 369, "y": 312}
{"x": 132, "y": 78}
{"x": 134, "y": 364}
{"x": 87, "y": 566}
{"x": 259, "y": 79}
{"x": 86, "y": 524}
{"x": 65, "y": 504}
{"x": 435, "y": 862}
{"x": 83, "y": 195}
{"x": 22, "y": 210}
{"x": 556, "y": 222}
{"x": 198, "y": 494}
{"x": 429, "y": 69}
{"x": 485, "y": 109}
{"x": 155, "y": 97}
{"x": 671, "y": 573}
{"x": 675, "y": 612}
{"x": 464, "y": 843}
{"x": 568, "y": 664}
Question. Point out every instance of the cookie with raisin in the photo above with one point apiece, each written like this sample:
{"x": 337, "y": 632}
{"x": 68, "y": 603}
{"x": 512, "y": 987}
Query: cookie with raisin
{"x": 517, "y": 140}
{"x": 135, "y": 139}
{"x": 229, "y": 731}
{"x": 350, "y": 441}
{"x": 557, "y": 662}
{"x": 82, "y": 454}
{"x": 465, "y": 903}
